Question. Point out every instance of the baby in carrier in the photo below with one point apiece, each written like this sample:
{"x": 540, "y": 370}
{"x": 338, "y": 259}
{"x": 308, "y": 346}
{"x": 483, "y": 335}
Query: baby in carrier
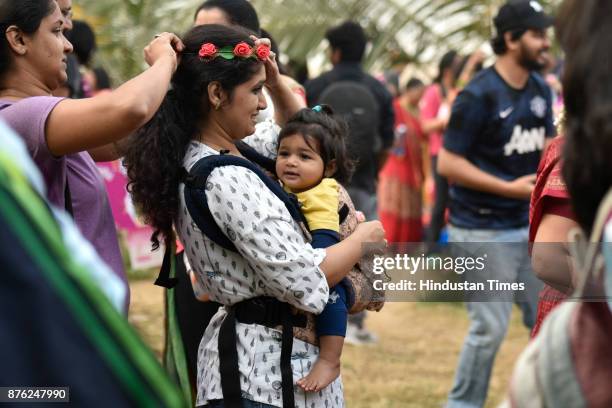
{"x": 312, "y": 159}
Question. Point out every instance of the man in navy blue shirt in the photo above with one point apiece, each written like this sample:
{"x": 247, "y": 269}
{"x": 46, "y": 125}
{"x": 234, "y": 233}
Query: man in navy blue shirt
{"x": 498, "y": 129}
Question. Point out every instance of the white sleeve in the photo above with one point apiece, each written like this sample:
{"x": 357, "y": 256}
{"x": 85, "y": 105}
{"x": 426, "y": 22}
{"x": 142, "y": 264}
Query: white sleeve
{"x": 261, "y": 228}
{"x": 265, "y": 138}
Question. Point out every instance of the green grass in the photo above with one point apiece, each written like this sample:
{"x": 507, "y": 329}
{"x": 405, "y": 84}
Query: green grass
{"x": 412, "y": 365}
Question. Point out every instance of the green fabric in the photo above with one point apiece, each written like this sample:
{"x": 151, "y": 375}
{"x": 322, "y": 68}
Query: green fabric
{"x": 175, "y": 359}
{"x": 129, "y": 359}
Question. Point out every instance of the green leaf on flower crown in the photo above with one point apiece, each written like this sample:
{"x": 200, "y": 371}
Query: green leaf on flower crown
{"x": 226, "y": 52}
{"x": 228, "y": 55}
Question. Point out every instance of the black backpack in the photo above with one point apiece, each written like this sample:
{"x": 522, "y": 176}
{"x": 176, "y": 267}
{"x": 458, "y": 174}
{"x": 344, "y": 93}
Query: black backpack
{"x": 359, "y": 107}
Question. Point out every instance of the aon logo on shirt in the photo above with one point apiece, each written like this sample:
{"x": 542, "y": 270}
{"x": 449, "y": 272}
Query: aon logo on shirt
{"x": 525, "y": 141}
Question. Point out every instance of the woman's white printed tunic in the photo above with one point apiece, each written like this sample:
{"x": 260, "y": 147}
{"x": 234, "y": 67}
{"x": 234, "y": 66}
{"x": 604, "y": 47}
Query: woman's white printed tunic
{"x": 274, "y": 260}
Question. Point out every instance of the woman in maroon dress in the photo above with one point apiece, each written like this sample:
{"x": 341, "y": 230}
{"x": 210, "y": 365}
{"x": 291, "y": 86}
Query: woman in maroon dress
{"x": 551, "y": 218}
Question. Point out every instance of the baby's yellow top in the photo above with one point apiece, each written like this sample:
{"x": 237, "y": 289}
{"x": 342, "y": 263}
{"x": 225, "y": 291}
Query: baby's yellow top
{"x": 320, "y": 205}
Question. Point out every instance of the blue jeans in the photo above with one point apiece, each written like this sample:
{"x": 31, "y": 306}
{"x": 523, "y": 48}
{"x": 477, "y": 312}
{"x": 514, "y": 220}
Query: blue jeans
{"x": 245, "y": 404}
{"x": 489, "y": 320}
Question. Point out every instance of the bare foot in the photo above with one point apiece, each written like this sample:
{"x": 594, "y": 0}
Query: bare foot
{"x": 322, "y": 374}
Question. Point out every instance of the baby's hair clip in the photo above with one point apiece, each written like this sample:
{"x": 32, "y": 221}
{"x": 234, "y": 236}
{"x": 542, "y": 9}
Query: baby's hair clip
{"x": 323, "y": 108}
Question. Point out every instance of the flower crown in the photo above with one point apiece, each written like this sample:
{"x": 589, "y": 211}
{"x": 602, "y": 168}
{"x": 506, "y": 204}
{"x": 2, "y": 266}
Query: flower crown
{"x": 209, "y": 51}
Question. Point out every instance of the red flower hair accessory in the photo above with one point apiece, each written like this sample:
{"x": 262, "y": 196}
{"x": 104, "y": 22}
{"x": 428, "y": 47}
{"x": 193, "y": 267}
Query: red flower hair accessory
{"x": 242, "y": 50}
{"x": 262, "y": 52}
{"x": 209, "y": 51}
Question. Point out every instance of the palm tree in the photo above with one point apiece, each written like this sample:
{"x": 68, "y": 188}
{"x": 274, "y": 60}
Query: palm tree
{"x": 125, "y": 27}
{"x": 418, "y": 31}
{"x": 409, "y": 30}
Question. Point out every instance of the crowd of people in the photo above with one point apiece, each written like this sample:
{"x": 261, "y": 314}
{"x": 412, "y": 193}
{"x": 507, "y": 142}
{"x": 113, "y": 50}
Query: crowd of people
{"x": 269, "y": 195}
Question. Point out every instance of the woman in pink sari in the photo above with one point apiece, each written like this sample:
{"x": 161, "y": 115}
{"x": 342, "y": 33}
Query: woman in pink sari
{"x": 401, "y": 179}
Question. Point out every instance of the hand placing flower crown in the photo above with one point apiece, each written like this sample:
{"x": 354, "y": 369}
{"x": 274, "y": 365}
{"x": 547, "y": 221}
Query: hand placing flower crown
{"x": 286, "y": 103}
{"x": 262, "y": 47}
{"x": 164, "y": 45}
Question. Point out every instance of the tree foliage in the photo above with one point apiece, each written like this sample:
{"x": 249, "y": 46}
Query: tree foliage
{"x": 418, "y": 31}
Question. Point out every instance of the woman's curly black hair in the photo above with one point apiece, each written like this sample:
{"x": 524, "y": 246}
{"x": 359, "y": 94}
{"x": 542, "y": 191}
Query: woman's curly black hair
{"x": 154, "y": 155}
{"x": 584, "y": 31}
{"x": 329, "y": 131}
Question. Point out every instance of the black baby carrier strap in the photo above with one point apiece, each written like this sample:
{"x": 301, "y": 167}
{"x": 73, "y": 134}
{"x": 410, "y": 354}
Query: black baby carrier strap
{"x": 265, "y": 311}
{"x": 268, "y": 312}
{"x": 196, "y": 184}
{"x": 197, "y": 203}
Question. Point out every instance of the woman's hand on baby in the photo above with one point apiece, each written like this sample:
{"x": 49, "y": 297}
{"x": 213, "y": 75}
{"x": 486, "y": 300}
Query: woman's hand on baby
{"x": 360, "y": 216}
{"x": 370, "y": 231}
{"x": 371, "y": 237}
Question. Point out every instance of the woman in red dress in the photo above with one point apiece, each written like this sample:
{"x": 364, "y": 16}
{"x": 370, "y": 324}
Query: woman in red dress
{"x": 401, "y": 179}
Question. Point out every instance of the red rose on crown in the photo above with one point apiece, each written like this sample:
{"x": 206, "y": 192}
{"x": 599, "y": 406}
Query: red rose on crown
{"x": 207, "y": 50}
{"x": 242, "y": 50}
{"x": 263, "y": 52}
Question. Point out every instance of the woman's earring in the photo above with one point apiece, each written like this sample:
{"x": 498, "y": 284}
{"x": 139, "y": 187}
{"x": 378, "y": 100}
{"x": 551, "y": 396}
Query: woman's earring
{"x": 217, "y": 105}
